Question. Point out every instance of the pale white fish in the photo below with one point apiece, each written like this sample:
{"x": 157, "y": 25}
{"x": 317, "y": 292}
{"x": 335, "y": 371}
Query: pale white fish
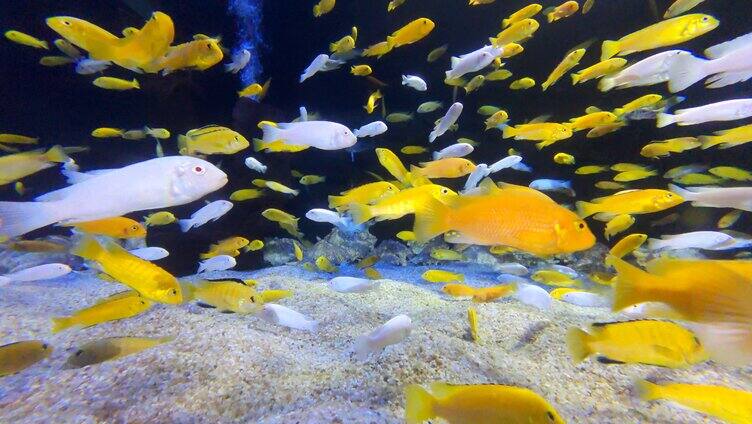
{"x": 36, "y": 273}
{"x": 344, "y": 223}
{"x": 480, "y": 172}
{"x": 649, "y": 71}
{"x": 152, "y": 184}
{"x": 544, "y": 184}
{"x": 429, "y": 107}
{"x": 505, "y": 163}
{"x": 322, "y": 63}
{"x": 286, "y": 317}
{"x": 650, "y": 310}
{"x": 392, "y": 332}
{"x": 71, "y": 165}
{"x": 694, "y": 168}
{"x": 532, "y": 295}
{"x": 322, "y": 135}
{"x": 729, "y": 63}
{"x": 254, "y": 164}
{"x": 449, "y": 119}
{"x": 371, "y": 130}
{"x": 511, "y": 279}
{"x": 710, "y": 240}
{"x": 563, "y": 269}
{"x": 150, "y": 253}
{"x": 91, "y": 66}
{"x": 522, "y": 167}
{"x": 513, "y": 268}
{"x": 457, "y": 150}
{"x": 586, "y": 299}
{"x": 414, "y": 82}
{"x": 239, "y": 61}
{"x": 729, "y": 110}
{"x": 352, "y": 284}
{"x": 211, "y": 212}
{"x": 716, "y": 197}
{"x": 216, "y": 263}
{"x": 473, "y": 61}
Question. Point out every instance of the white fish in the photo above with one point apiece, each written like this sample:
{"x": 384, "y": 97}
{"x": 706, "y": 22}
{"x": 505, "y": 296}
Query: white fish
{"x": 152, "y": 184}
{"x": 729, "y": 110}
{"x": 532, "y": 295}
{"x": 392, "y": 332}
{"x": 211, "y": 212}
{"x": 709, "y": 240}
{"x": 473, "y": 61}
{"x": 457, "y": 150}
{"x": 451, "y": 116}
{"x": 513, "y": 268}
{"x": 36, "y": 273}
{"x": 729, "y": 63}
{"x": 564, "y": 270}
{"x": 371, "y": 130}
{"x": 586, "y": 299}
{"x": 286, "y": 317}
{"x": 150, "y": 253}
{"x": 553, "y": 185}
{"x": 480, "y": 172}
{"x": 352, "y": 284}
{"x": 414, "y": 82}
{"x": 511, "y": 279}
{"x": 322, "y": 135}
{"x": 344, "y": 223}
{"x": 717, "y": 197}
{"x": 505, "y": 163}
{"x": 239, "y": 61}
{"x": 649, "y": 71}
{"x": 254, "y": 164}
{"x": 216, "y": 263}
{"x": 321, "y": 63}
{"x": 91, "y": 66}
{"x": 429, "y": 107}
{"x": 522, "y": 167}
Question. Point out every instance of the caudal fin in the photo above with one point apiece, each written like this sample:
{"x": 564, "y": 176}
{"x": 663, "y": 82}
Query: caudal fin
{"x": 577, "y": 343}
{"x": 575, "y": 78}
{"x": 185, "y": 224}
{"x": 606, "y": 84}
{"x": 360, "y": 213}
{"x": 60, "y": 324}
{"x": 419, "y": 404}
{"x": 88, "y": 248}
{"x": 56, "y": 154}
{"x": 183, "y": 145}
{"x": 664, "y": 120}
{"x": 432, "y": 218}
{"x": 18, "y": 218}
{"x": 632, "y": 284}
{"x": 609, "y": 49}
{"x": 648, "y": 391}
{"x": 684, "y": 71}
{"x": 709, "y": 141}
{"x": 585, "y": 209}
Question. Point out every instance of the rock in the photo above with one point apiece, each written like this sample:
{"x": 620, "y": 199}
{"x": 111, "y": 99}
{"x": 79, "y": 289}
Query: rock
{"x": 279, "y": 251}
{"x": 12, "y": 261}
{"x": 341, "y": 247}
{"x": 393, "y": 252}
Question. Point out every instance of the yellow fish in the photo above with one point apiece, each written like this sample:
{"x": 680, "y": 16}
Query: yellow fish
{"x": 378, "y": 50}
{"x": 475, "y": 83}
{"x": 112, "y": 308}
{"x": 297, "y": 251}
{"x": 547, "y": 133}
{"x": 17, "y": 139}
{"x": 571, "y": 60}
{"x": 697, "y": 179}
{"x": 499, "y": 118}
{"x": 638, "y": 103}
{"x": 366, "y": 194}
{"x": 288, "y": 222}
{"x": 731, "y": 173}
{"x": 134, "y": 135}
{"x": 558, "y": 293}
{"x": 516, "y": 32}
{"x": 111, "y": 348}
{"x": 729, "y": 405}
{"x": 638, "y": 174}
{"x": 254, "y": 246}
{"x": 66, "y": 47}
{"x": 563, "y": 10}
{"x": 663, "y": 34}
{"x": 602, "y": 130}
{"x": 51, "y": 61}
{"x": 727, "y": 138}
{"x": 159, "y": 133}
{"x": 323, "y": 7}
{"x": 151, "y": 281}
{"x": 484, "y": 403}
{"x": 472, "y": 318}
{"x": 630, "y": 202}
{"x": 159, "y": 218}
{"x": 16, "y": 166}
{"x": 323, "y": 263}
{"x": 226, "y": 294}
{"x": 627, "y": 245}
{"x": 591, "y": 120}
{"x": 602, "y": 278}
{"x": 118, "y": 227}
{"x": 343, "y": 45}
{"x": 312, "y": 179}
{"x": 275, "y": 295}
{"x": 361, "y": 70}
{"x": 436, "y": 53}
{"x": 229, "y": 246}
{"x": 367, "y": 262}
{"x": 246, "y": 194}
{"x": 590, "y": 169}
{"x": 658, "y": 149}
{"x": 250, "y": 90}
{"x": 446, "y": 255}
{"x": 564, "y": 159}
{"x": 443, "y": 168}
{"x": 372, "y": 102}
{"x": 200, "y": 54}
{"x": 413, "y": 150}
{"x": 394, "y": 165}
{"x": 458, "y": 290}
{"x": 649, "y": 342}
{"x": 110, "y": 83}
{"x": 281, "y": 188}
{"x": 618, "y": 224}
{"x": 16, "y": 357}
{"x": 525, "y": 13}
{"x": 400, "y": 204}
{"x": 410, "y": 33}
{"x": 498, "y": 75}
{"x": 211, "y": 140}
{"x": 489, "y": 294}
{"x": 522, "y": 84}
{"x": 598, "y": 70}
{"x": 554, "y": 278}
{"x": 729, "y": 219}
{"x": 625, "y": 166}
{"x": 439, "y": 276}
{"x": 26, "y": 40}
{"x": 20, "y": 189}
{"x": 393, "y": 4}
{"x": 406, "y": 236}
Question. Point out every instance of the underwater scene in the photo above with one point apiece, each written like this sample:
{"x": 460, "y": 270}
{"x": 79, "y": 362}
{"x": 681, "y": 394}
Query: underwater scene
{"x": 376, "y": 211}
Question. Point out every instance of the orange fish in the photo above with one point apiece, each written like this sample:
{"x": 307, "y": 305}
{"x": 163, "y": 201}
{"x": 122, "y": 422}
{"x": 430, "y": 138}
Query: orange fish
{"x": 513, "y": 216}
{"x": 488, "y": 294}
{"x": 118, "y": 227}
{"x": 458, "y": 290}
{"x": 444, "y": 168}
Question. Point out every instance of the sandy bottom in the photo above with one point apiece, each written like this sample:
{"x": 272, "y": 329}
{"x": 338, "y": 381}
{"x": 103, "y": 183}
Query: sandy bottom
{"x": 230, "y": 368}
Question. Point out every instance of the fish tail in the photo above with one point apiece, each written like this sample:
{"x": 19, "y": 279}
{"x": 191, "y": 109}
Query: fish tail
{"x": 56, "y": 154}
{"x": 360, "y": 213}
{"x": 664, "y": 120}
{"x": 336, "y": 201}
{"x": 619, "y": 111}
{"x": 609, "y": 49}
{"x": 684, "y": 71}
{"x": 419, "y": 404}
{"x": 632, "y": 285}
{"x": 390, "y": 42}
{"x": 577, "y": 344}
{"x": 648, "y": 391}
{"x": 431, "y": 219}
{"x": 606, "y": 84}
{"x": 551, "y": 17}
{"x": 316, "y": 11}
{"x": 136, "y": 84}
{"x": 183, "y": 144}
{"x": 60, "y": 324}
{"x": 17, "y": 218}
{"x": 508, "y": 132}
{"x": 45, "y": 45}
{"x": 585, "y": 209}
{"x": 575, "y": 78}
{"x": 707, "y": 141}
{"x": 504, "y": 23}
{"x": 185, "y": 224}
{"x": 88, "y": 248}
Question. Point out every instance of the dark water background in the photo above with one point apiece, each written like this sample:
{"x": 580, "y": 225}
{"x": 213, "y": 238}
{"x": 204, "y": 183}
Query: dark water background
{"x": 63, "y": 107}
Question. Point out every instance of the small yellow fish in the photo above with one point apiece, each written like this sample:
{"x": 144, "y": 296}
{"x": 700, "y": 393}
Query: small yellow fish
{"x": 323, "y": 7}
{"x": 697, "y": 179}
{"x": 281, "y": 188}
{"x": 118, "y": 227}
{"x": 116, "y": 307}
{"x": 640, "y": 174}
{"x": 555, "y": 278}
{"x": 571, "y": 60}
{"x": 393, "y": 164}
{"x": 436, "y": 53}
{"x": 393, "y": 4}
{"x": 638, "y": 103}
{"x": 17, "y": 139}
{"x": 591, "y": 120}
{"x": 211, "y": 140}
{"x": 590, "y": 169}
{"x": 250, "y": 90}
{"x": 66, "y": 47}
{"x": 410, "y": 33}
{"x": 111, "y": 348}
{"x": 26, "y": 40}
{"x": 598, "y": 70}
{"x": 19, "y": 187}
{"x": 563, "y": 10}
{"x": 729, "y": 219}
{"x": 727, "y": 138}
{"x": 618, "y": 224}
{"x": 731, "y": 173}
{"x": 587, "y": 6}
{"x": 439, "y": 276}
{"x": 406, "y": 236}
{"x": 226, "y": 294}
{"x": 483, "y": 403}
{"x": 729, "y": 405}
{"x": 16, "y": 166}
{"x": 413, "y": 150}
{"x": 372, "y": 102}
{"x": 446, "y": 255}
{"x": 312, "y": 179}
{"x": 522, "y": 84}
{"x": 16, "y": 357}
{"x": 372, "y": 274}
{"x": 397, "y": 117}
{"x": 525, "y": 13}
{"x": 499, "y": 118}
{"x": 602, "y": 130}
{"x": 475, "y": 83}
{"x": 443, "y": 168}
{"x": 516, "y": 32}
{"x": 627, "y": 245}
{"x": 489, "y": 294}
{"x": 498, "y": 75}
{"x": 117, "y": 84}
{"x": 51, "y": 61}
{"x": 378, "y": 50}
{"x": 246, "y": 194}
{"x": 501, "y": 250}
{"x": 367, "y": 262}
{"x": 458, "y": 290}
{"x": 558, "y": 293}
{"x": 158, "y": 133}
{"x": 229, "y": 246}
{"x": 602, "y": 278}
{"x": 564, "y": 159}
{"x": 366, "y": 194}
{"x": 134, "y": 135}
{"x": 254, "y": 245}
{"x": 275, "y": 295}
{"x": 323, "y": 263}
{"x": 657, "y": 149}
{"x": 361, "y": 70}
{"x": 297, "y": 251}
{"x": 159, "y": 218}
{"x": 472, "y": 318}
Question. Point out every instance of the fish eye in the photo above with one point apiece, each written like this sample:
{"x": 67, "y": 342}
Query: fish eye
{"x": 174, "y": 291}
{"x": 208, "y": 46}
{"x": 253, "y": 299}
{"x": 44, "y": 346}
{"x": 66, "y": 23}
{"x": 199, "y": 170}
{"x": 79, "y": 352}
{"x": 669, "y": 195}
{"x": 581, "y": 225}
{"x": 704, "y": 18}
{"x": 444, "y": 191}
{"x": 134, "y": 227}
{"x": 550, "y": 416}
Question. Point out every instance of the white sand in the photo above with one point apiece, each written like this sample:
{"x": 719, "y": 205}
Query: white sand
{"x": 231, "y": 368}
